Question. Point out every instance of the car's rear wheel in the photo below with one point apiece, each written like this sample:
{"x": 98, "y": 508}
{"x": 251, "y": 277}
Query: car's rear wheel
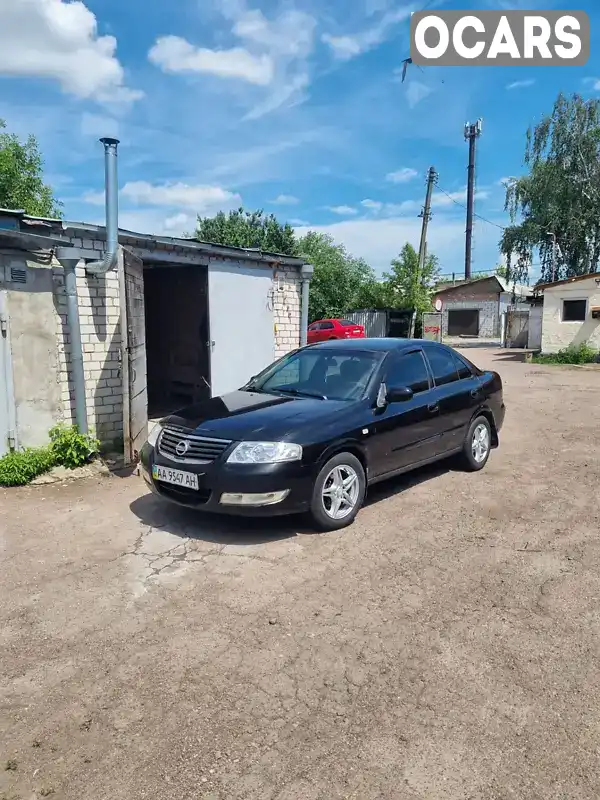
{"x": 338, "y": 493}
{"x": 478, "y": 444}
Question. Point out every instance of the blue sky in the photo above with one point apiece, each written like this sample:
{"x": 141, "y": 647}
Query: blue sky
{"x": 279, "y": 105}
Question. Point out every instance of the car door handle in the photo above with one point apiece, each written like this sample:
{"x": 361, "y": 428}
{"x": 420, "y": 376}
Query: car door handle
{"x": 432, "y": 408}
{"x": 475, "y": 392}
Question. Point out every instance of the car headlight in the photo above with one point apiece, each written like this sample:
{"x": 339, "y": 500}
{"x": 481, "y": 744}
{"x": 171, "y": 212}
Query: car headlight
{"x": 154, "y": 434}
{"x": 265, "y": 453}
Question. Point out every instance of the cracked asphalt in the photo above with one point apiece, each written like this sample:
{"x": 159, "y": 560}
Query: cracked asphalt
{"x": 444, "y": 646}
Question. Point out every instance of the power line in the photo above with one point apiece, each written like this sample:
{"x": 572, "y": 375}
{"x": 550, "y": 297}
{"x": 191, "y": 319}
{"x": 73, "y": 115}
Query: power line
{"x": 462, "y": 205}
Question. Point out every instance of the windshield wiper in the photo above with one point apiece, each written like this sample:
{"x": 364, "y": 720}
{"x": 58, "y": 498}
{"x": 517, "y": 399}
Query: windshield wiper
{"x": 300, "y": 393}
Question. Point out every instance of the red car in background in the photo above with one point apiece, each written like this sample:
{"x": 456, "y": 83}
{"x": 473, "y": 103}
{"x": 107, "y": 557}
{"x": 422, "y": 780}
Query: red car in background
{"x": 324, "y": 329}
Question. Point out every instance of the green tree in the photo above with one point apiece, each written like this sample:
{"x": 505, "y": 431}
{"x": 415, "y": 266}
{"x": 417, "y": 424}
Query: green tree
{"x": 559, "y": 195}
{"x": 21, "y": 177}
{"x": 340, "y": 282}
{"x": 406, "y": 287}
{"x": 250, "y": 229}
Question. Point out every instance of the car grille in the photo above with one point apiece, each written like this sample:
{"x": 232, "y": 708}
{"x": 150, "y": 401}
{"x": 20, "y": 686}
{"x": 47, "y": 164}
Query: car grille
{"x": 191, "y": 497}
{"x": 200, "y": 449}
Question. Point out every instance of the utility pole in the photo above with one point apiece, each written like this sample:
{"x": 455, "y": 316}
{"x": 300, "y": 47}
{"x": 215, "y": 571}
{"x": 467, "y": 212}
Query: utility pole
{"x": 472, "y": 133}
{"x": 425, "y": 216}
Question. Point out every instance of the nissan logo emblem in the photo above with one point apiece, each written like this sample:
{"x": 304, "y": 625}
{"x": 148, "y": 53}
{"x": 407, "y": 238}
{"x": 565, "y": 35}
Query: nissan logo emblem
{"x": 182, "y": 448}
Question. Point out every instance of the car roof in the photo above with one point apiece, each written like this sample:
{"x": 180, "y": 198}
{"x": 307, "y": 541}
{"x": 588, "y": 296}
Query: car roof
{"x": 375, "y": 345}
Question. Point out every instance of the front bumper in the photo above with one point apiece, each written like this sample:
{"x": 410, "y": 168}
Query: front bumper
{"x": 218, "y": 478}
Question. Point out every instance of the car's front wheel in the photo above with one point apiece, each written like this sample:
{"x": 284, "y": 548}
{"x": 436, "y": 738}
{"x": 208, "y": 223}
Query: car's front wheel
{"x": 338, "y": 493}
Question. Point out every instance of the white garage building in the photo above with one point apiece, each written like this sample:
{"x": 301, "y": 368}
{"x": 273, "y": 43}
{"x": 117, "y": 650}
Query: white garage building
{"x": 176, "y": 321}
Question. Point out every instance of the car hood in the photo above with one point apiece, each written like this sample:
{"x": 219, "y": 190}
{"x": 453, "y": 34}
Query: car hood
{"x": 254, "y": 415}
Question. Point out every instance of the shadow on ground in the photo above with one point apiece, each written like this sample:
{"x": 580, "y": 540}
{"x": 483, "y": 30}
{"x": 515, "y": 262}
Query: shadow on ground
{"x": 220, "y": 529}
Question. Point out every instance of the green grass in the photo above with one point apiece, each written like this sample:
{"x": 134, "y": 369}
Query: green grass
{"x": 23, "y": 466}
{"x": 68, "y": 448}
{"x": 581, "y": 354}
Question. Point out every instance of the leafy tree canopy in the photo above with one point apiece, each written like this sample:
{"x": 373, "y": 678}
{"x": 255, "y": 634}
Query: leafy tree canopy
{"x": 251, "y": 229}
{"x": 340, "y": 282}
{"x": 405, "y": 286}
{"x": 559, "y": 195}
{"x": 22, "y": 185}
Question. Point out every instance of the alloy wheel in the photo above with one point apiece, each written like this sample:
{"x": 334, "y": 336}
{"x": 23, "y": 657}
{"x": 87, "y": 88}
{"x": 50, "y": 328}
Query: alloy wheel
{"x": 340, "y": 493}
{"x": 480, "y": 443}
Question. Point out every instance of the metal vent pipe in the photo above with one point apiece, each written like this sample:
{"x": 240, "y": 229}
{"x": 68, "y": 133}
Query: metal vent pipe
{"x": 69, "y": 257}
{"x": 111, "y": 190}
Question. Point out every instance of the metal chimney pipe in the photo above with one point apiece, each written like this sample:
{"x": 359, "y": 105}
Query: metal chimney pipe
{"x": 111, "y": 189}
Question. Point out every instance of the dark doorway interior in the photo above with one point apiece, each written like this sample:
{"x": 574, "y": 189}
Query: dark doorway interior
{"x": 177, "y": 334}
{"x": 463, "y": 322}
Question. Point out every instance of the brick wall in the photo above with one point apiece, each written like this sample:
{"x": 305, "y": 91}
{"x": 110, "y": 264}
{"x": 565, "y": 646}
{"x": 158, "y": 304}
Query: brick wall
{"x": 482, "y": 296}
{"x": 99, "y": 316}
{"x": 286, "y": 309}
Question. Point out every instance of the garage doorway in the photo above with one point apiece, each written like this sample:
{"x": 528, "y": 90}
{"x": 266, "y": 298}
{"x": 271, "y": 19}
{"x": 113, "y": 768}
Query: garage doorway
{"x": 463, "y": 322}
{"x": 177, "y": 336}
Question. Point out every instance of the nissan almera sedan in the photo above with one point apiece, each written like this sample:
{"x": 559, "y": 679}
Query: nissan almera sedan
{"x": 315, "y": 429}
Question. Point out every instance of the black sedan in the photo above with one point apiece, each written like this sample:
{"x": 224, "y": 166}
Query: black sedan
{"x": 316, "y": 428}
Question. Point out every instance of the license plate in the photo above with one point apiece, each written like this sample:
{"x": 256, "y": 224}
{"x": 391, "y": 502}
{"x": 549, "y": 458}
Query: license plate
{"x": 177, "y": 477}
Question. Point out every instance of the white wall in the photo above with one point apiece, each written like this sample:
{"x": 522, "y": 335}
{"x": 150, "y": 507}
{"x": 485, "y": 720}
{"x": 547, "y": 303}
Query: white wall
{"x": 558, "y": 335}
{"x": 534, "y": 341}
{"x": 32, "y": 323}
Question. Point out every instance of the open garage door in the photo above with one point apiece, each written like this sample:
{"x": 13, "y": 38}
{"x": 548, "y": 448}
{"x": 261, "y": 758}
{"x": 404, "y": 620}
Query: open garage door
{"x": 133, "y": 332}
{"x": 242, "y": 335}
{"x": 463, "y": 322}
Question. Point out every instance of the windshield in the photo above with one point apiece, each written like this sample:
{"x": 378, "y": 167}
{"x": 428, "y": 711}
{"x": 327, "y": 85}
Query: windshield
{"x": 322, "y": 373}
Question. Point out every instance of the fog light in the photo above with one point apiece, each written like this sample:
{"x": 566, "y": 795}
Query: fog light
{"x": 263, "y": 499}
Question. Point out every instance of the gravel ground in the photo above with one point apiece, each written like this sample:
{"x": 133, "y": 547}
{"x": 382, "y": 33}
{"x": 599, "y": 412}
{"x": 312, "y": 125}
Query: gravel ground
{"x": 444, "y": 646}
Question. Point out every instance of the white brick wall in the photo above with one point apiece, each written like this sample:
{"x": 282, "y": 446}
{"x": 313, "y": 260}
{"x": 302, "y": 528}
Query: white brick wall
{"x": 99, "y": 311}
{"x": 286, "y": 309}
{"x": 558, "y": 335}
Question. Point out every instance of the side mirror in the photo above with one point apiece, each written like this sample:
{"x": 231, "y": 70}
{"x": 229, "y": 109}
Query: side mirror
{"x": 399, "y": 394}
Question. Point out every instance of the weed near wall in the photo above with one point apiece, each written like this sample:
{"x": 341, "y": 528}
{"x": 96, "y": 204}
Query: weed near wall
{"x": 581, "y": 354}
{"x": 68, "y": 448}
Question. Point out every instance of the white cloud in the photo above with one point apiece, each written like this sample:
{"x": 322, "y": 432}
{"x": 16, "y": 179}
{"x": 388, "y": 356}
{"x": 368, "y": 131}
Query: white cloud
{"x": 274, "y": 54}
{"x": 593, "y": 82}
{"x": 174, "y": 54}
{"x": 378, "y": 241}
{"x": 58, "y": 40}
{"x": 284, "y": 200}
{"x": 403, "y": 175}
{"x": 521, "y": 84}
{"x": 179, "y": 222}
{"x": 438, "y": 200}
{"x": 372, "y": 205}
{"x": 299, "y": 223}
{"x": 349, "y": 46}
{"x": 199, "y": 199}
{"x": 290, "y": 34}
{"x": 342, "y": 211}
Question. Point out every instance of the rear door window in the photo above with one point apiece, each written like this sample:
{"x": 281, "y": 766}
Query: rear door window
{"x": 463, "y": 369}
{"x": 443, "y": 366}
